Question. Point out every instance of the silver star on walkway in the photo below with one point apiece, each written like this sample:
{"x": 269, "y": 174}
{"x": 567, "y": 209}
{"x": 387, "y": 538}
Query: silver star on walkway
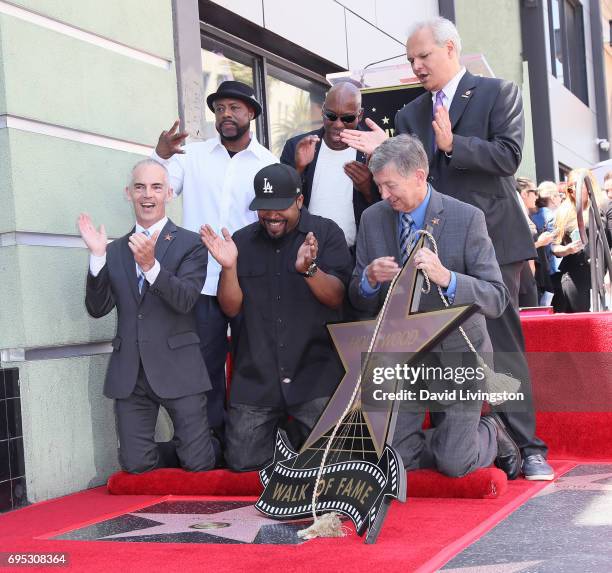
{"x": 242, "y": 524}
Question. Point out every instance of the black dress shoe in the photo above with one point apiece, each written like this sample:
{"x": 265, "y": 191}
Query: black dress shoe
{"x": 508, "y": 453}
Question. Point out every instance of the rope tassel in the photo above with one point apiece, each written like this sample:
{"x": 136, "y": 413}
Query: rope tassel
{"x": 327, "y": 525}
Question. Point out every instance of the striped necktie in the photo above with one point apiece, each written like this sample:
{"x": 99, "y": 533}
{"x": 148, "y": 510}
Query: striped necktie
{"x": 438, "y": 103}
{"x": 407, "y": 236}
{"x": 141, "y": 276}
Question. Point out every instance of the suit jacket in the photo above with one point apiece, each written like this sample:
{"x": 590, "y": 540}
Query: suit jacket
{"x": 488, "y": 128}
{"x": 158, "y": 326}
{"x": 463, "y": 247}
{"x": 288, "y": 158}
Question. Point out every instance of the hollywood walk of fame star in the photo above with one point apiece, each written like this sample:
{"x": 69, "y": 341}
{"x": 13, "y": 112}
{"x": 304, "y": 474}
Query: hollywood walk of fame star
{"x": 242, "y": 524}
{"x": 401, "y": 331}
{"x": 587, "y": 482}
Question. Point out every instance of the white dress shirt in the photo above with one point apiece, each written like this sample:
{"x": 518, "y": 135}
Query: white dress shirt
{"x": 96, "y": 263}
{"x": 449, "y": 89}
{"x": 217, "y": 189}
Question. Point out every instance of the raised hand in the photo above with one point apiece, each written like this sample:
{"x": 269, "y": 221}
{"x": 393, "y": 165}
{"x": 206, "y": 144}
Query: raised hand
{"x": 381, "y": 270}
{"x": 95, "y": 239}
{"x": 361, "y": 177}
{"x": 171, "y": 141}
{"x": 442, "y": 130}
{"x": 364, "y": 141}
{"x": 223, "y": 250}
{"x": 143, "y": 248}
{"x": 307, "y": 253}
{"x": 305, "y": 152}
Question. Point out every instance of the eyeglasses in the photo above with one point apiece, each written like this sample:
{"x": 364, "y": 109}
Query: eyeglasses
{"x": 343, "y": 118}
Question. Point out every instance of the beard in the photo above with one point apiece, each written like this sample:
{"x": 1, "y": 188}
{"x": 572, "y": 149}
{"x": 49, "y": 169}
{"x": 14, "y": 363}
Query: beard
{"x": 240, "y": 131}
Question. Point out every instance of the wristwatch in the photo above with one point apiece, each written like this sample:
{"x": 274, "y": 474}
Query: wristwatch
{"x": 311, "y": 270}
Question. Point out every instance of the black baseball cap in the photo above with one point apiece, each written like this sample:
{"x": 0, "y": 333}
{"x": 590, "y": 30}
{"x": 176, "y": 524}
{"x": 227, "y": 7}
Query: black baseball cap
{"x": 276, "y": 187}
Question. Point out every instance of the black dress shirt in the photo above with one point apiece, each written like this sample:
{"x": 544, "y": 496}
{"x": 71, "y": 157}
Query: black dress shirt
{"x": 284, "y": 354}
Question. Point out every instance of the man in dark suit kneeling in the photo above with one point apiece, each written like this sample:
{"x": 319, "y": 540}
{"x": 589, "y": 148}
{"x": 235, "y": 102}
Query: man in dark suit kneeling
{"x": 467, "y": 272}
{"x": 153, "y": 275}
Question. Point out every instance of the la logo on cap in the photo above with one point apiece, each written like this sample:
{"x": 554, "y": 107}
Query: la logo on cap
{"x": 267, "y": 188}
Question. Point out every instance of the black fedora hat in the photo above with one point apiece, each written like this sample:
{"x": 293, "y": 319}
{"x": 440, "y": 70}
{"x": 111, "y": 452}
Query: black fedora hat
{"x": 236, "y": 90}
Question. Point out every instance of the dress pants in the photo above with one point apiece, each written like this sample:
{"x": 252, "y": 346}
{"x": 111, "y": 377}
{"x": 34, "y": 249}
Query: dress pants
{"x": 251, "y": 431}
{"x": 136, "y": 417}
{"x": 211, "y": 325}
{"x": 509, "y": 356}
{"x": 459, "y": 442}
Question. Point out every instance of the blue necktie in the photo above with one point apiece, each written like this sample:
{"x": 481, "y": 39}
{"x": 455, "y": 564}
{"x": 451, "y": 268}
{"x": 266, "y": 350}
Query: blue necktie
{"x": 141, "y": 276}
{"x": 407, "y": 236}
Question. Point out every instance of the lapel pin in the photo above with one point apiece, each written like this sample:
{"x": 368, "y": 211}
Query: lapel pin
{"x": 467, "y": 94}
{"x": 435, "y": 221}
{"x": 168, "y": 237}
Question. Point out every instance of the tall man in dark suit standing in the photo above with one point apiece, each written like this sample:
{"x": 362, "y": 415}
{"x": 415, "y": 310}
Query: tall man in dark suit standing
{"x": 472, "y": 129}
{"x": 153, "y": 275}
{"x": 336, "y": 183}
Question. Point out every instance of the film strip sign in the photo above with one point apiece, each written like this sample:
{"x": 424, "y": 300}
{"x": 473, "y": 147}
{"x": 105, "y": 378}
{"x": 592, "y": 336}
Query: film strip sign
{"x": 360, "y": 490}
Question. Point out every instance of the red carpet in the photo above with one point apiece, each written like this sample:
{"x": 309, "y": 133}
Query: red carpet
{"x": 415, "y": 537}
{"x": 486, "y": 483}
{"x": 583, "y": 378}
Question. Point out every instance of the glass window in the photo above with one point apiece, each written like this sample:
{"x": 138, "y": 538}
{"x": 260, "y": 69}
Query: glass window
{"x": 568, "y": 60}
{"x": 556, "y": 40}
{"x": 221, "y": 63}
{"x": 294, "y": 106}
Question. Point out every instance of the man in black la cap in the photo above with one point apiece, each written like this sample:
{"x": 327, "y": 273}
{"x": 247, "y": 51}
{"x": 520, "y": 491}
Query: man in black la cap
{"x": 215, "y": 178}
{"x": 286, "y": 275}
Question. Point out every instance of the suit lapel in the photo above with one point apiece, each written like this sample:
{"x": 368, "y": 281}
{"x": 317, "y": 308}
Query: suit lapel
{"x": 390, "y": 232}
{"x": 423, "y": 119}
{"x": 165, "y": 239}
{"x": 434, "y": 217}
{"x": 129, "y": 264}
{"x": 462, "y": 96}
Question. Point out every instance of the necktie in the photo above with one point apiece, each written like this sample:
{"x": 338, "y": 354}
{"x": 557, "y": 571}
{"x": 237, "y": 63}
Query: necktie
{"x": 407, "y": 236}
{"x": 438, "y": 103}
{"x": 141, "y": 276}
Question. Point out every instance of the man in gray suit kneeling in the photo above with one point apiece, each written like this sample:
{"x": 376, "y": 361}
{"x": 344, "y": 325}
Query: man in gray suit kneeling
{"x": 153, "y": 275}
{"x": 466, "y": 270}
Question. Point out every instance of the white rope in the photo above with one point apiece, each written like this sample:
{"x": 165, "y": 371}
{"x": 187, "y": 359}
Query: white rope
{"x": 350, "y": 403}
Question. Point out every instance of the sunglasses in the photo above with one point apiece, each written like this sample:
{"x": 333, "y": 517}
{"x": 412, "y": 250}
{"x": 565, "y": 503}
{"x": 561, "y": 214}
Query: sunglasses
{"x": 334, "y": 116}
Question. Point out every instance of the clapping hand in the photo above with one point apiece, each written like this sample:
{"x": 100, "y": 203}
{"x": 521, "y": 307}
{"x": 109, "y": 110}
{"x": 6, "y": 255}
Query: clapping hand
{"x": 223, "y": 250}
{"x": 171, "y": 142}
{"x": 305, "y": 152}
{"x": 143, "y": 248}
{"x": 443, "y": 130}
{"x": 361, "y": 177}
{"x": 95, "y": 239}
{"x": 307, "y": 253}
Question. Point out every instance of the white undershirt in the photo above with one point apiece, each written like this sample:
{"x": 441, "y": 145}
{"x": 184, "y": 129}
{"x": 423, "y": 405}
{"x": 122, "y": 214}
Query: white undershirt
{"x": 332, "y": 190}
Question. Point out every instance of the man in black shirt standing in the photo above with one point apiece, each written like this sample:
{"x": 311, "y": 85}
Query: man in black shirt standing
{"x": 287, "y": 275}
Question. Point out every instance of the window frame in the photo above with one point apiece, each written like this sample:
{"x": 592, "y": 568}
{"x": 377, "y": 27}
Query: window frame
{"x": 261, "y": 58}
